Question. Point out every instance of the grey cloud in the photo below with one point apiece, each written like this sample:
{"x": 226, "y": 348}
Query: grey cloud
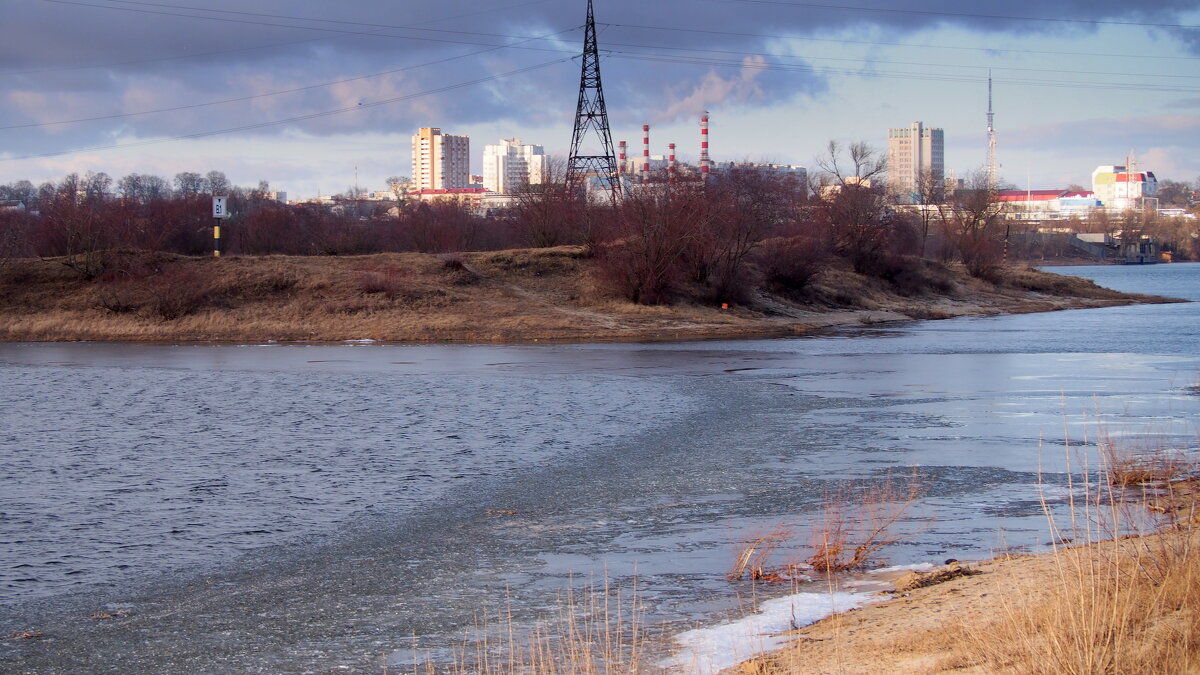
{"x": 167, "y": 55}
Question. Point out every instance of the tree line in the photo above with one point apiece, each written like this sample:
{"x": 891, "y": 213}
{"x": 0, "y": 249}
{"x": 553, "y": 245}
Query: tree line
{"x": 745, "y": 227}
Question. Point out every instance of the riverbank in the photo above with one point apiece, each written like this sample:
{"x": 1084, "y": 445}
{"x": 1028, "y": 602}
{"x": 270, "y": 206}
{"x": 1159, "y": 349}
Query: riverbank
{"x": 1124, "y": 605}
{"x": 533, "y": 295}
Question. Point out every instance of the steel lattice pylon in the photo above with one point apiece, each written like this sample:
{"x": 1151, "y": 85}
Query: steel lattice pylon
{"x": 590, "y": 114}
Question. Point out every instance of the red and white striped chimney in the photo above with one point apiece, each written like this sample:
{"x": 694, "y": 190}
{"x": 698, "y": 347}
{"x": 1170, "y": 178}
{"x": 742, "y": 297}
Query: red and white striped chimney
{"x": 645, "y": 153}
{"x": 671, "y": 162}
{"x": 704, "y": 146}
{"x": 621, "y": 161}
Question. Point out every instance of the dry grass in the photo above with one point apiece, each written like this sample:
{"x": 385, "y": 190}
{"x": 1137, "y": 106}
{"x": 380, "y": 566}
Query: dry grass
{"x": 854, "y": 523}
{"x": 858, "y": 522}
{"x": 1116, "y": 603}
{"x": 505, "y": 296}
{"x": 1127, "y": 467}
{"x": 598, "y": 630}
{"x": 1123, "y": 597}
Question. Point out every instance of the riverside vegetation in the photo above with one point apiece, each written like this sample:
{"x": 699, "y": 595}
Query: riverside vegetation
{"x": 747, "y": 253}
{"x": 1118, "y": 593}
{"x": 506, "y": 296}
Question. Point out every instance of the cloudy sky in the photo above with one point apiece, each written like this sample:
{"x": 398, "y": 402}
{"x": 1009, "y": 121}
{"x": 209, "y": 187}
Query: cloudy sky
{"x": 300, "y": 92}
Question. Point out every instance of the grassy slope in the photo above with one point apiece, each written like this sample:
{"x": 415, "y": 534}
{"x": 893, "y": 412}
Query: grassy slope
{"x": 506, "y": 296}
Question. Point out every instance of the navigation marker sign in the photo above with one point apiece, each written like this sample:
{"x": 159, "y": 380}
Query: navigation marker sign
{"x": 219, "y": 213}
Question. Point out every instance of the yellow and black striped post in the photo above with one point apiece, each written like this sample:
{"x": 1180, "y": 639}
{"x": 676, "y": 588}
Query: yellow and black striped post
{"x": 219, "y": 214}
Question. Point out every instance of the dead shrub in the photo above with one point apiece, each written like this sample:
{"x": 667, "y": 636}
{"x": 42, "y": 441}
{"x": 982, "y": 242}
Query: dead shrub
{"x": 854, "y": 523}
{"x": 177, "y": 292}
{"x": 457, "y": 271}
{"x": 388, "y": 281}
{"x": 857, "y": 521}
{"x": 788, "y": 264}
{"x": 755, "y": 556}
{"x": 120, "y": 297}
{"x": 1127, "y": 467}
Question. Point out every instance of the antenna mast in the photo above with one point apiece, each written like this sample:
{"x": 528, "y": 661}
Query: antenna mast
{"x": 991, "y": 140}
{"x": 590, "y": 114}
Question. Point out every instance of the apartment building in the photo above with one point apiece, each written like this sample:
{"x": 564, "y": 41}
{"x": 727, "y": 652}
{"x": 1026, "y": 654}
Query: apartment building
{"x": 510, "y": 166}
{"x": 912, "y": 151}
{"x": 440, "y": 161}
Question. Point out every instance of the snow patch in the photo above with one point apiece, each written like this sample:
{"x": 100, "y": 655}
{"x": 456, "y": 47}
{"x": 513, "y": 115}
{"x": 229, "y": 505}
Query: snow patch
{"x": 704, "y": 651}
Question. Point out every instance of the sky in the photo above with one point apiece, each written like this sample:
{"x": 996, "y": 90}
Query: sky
{"x": 316, "y": 97}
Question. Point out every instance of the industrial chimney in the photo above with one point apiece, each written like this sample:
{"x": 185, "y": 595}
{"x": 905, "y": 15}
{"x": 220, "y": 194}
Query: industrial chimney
{"x": 645, "y": 153}
{"x": 704, "y": 146}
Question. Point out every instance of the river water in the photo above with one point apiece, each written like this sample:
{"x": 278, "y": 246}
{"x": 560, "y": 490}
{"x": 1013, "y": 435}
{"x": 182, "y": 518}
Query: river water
{"x": 296, "y": 508}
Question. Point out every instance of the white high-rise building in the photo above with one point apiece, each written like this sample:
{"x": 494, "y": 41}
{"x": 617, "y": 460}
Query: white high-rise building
{"x": 912, "y": 151}
{"x": 440, "y": 161}
{"x": 510, "y": 166}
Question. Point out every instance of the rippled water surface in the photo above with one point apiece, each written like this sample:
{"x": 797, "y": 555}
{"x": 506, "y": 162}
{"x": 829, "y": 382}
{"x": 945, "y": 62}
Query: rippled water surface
{"x": 333, "y": 505}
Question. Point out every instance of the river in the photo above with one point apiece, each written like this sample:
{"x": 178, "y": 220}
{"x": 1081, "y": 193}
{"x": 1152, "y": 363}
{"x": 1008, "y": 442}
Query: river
{"x": 297, "y": 508}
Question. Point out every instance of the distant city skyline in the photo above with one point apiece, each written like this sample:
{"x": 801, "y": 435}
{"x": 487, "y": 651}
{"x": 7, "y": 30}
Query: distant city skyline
{"x": 303, "y": 92}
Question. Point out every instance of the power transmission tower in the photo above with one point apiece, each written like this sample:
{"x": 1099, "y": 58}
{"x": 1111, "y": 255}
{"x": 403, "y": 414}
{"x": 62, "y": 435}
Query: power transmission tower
{"x": 590, "y": 114}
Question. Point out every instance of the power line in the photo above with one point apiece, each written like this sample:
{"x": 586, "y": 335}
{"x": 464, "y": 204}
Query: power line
{"x": 240, "y": 49}
{"x": 964, "y": 15}
{"x": 250, "y": 22}
{"x": 686, "y": 59}
{"x": 296, "y": 118}
{"x": 682, "y": 59}
{"x": 56, "y": 69}
{"x": 280, "y": 92}
{"x": 901, "y": 63}
{"x": 900, "y": 44}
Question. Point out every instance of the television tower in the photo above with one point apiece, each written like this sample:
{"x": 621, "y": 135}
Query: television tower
{"x": 991, "y": 139}
{"x": 590, "y": 115}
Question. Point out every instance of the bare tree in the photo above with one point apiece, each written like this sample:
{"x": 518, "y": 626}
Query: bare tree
{"x": 22, "y": 191}
{"x": 746, "y": 205}
{"x": 930, "y": 191}
{"x": 96, "y": 186}
{"x": 859, "y": 165}
{"x": 549, "y": 213}
{"x": 73, "y": 228}
{"x": 14, "y": 231}
{"x": 215, "y": 183}
{"x": 642, "y": 260}
{"x": 973, "y": 222}
{"x": 143, "y": 188}
{"x": 861, "y": 223}
{"x": 188, "y": 183}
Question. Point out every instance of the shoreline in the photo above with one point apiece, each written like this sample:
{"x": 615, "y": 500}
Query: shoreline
{"x": 942, "y": 619}
{"x": 524, "y": 296}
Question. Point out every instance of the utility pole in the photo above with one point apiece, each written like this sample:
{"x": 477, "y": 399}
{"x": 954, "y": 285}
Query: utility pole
{"x": 591, "y": 115}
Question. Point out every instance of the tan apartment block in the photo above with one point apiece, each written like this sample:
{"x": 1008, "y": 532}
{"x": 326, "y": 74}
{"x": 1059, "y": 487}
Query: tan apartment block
{"x": 440, "y": 161}
{"x": 912, "y": 150}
